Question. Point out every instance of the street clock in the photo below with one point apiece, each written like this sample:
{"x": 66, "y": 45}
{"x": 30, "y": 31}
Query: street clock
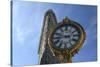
{"x": 66, "y": 38}
{"x": 59, "y": 41}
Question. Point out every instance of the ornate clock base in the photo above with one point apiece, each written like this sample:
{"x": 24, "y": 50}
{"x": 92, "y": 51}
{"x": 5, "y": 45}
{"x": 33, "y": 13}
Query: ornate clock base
{"x": 65, "y": 58}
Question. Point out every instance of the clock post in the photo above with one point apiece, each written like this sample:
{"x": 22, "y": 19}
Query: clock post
{"x": 66, "y": 39}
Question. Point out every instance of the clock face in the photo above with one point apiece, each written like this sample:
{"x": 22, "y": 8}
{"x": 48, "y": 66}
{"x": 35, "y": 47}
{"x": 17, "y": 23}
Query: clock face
{"x": 65, "y": 36}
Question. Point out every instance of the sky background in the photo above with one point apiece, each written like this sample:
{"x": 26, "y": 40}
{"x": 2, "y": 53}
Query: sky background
{"x": 27, "y": 24}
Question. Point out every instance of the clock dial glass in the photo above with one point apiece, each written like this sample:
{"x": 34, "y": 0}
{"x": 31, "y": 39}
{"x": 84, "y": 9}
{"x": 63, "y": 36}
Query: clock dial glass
{"x": 65, "y": 37}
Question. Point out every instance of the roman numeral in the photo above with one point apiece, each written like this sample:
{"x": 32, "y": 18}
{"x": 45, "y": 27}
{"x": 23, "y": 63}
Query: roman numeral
{"x": 56, "y": 41}
{"x": 58, "y": 34}
{"x": 60, "y": 44}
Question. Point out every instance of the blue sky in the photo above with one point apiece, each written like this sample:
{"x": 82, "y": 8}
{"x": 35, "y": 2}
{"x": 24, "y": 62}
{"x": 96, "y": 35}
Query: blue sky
{"x": 27, "y": 23}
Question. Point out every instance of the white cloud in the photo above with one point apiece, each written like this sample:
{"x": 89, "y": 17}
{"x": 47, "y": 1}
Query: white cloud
{"x": 20, "y": 35}
{"x": 91, "y": 32}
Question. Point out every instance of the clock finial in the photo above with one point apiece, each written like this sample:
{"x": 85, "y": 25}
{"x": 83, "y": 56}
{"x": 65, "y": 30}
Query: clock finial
{"x": 66, "y": 19}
